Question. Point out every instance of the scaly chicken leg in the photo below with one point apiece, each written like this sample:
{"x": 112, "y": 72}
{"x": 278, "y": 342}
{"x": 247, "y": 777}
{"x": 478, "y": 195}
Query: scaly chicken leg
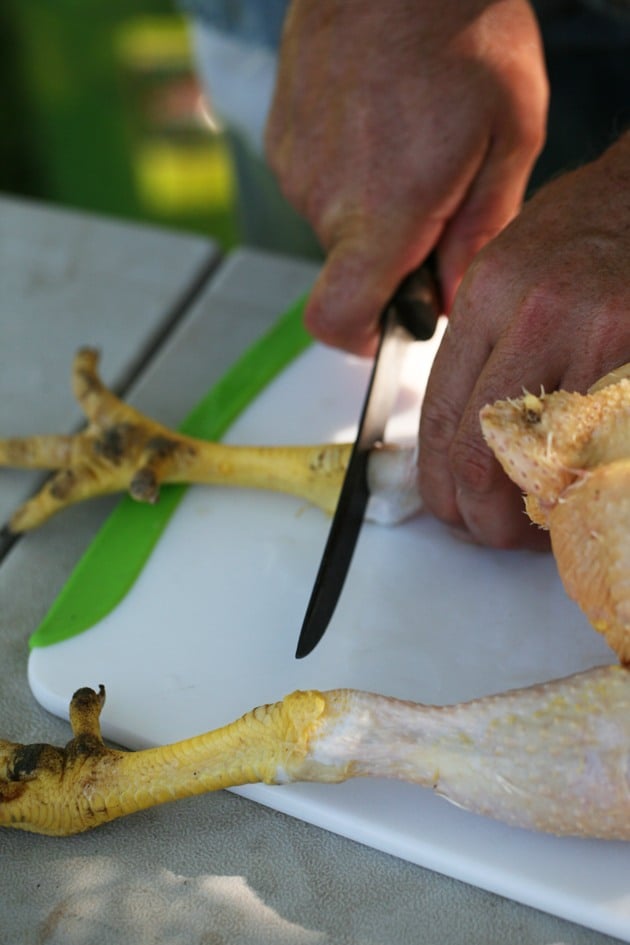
{"x": 552, "y": 757}
{"x": 122, "y": 449}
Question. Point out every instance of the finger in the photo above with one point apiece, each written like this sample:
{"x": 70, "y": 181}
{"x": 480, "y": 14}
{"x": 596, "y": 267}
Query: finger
{"x": 480, "y": 361}
{"x": 345, "y": 302}
{"x": 467, "y": 487}
{"x": 355, "y": 284}
{"x": 458, "y": 363}
{"x": 491, "y": 507}
{"x": 492, "y": 201}
{"x": 488, "y": 503}
{"x": 502, "y": 522}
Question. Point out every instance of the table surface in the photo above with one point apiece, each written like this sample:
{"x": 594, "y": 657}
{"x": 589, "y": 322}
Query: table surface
{"x": 170, "y": 316}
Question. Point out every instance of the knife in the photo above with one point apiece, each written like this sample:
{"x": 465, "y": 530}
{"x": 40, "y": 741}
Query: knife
{"x": 411, "y": 314}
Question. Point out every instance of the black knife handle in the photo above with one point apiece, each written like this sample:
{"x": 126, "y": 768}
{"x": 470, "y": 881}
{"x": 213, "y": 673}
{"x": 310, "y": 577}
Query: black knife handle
{"x": 417, "y": 301}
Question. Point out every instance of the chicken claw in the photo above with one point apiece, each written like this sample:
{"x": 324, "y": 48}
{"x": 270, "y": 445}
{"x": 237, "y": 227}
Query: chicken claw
{"x": 552, "y": 757}
{"x": 123, "y": 449}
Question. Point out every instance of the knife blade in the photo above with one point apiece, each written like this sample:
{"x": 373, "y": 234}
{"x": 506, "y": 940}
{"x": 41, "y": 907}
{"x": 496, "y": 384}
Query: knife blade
{"x": 411, "y": 314}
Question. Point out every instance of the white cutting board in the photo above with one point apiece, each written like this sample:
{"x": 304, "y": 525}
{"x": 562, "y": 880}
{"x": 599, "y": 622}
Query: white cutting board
{"x": 210, "y": 628}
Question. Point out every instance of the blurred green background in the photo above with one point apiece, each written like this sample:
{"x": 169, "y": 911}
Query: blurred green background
{"x": 102, "y": 112}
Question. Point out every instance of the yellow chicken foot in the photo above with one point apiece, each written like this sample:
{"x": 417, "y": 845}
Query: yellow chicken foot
{"x": 123, "y": 449}
{"x": 552, "y": 757}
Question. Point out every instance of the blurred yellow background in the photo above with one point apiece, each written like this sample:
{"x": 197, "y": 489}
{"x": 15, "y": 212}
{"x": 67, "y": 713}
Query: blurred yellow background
{"x": 103, "y": 112}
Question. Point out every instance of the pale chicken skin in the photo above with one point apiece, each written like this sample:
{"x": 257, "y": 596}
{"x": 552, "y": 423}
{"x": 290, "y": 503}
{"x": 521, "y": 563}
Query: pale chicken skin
{"x": 570, "y": 454}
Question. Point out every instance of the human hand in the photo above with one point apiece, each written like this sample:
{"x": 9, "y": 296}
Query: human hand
{"x": 546, "y": 303}
{"x": 401, "y": 127}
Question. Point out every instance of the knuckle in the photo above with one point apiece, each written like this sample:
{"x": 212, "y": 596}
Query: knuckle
{"x": 525, "y": 312}
{"x": 484, "y": 276}
{"x": 437, "y": 426}
{"x": 472, "y": 464}
{"x": 531, "y": 133}
{"x": 292, "y": 184}
{"x": 535, "y": 316}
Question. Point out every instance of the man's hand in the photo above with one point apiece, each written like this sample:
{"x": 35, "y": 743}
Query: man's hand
{"x": 546, "y": 303}
{"x": 397, "y": 128}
